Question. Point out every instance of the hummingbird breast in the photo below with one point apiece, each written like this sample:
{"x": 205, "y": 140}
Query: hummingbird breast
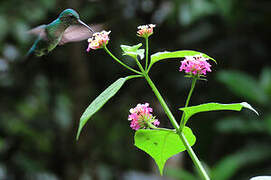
{"x": 56, "y": 29}
{"x": 54, "y": 32}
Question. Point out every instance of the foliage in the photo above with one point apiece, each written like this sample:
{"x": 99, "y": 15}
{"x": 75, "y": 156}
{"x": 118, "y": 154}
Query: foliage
{"x": 99, "y": 102}
{"x": 227, "y": 167}
{"x": 260, "y": 93}
{"x": 159, "y": 143}
{"x": 177, "y": 54}
{"x": 190, "y": 111}
{"x": 162, "y": 144}
{"x": 42, "y": 99}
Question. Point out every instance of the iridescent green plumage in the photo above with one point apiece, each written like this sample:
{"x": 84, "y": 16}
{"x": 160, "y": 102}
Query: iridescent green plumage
{"x": 66, "y": 28}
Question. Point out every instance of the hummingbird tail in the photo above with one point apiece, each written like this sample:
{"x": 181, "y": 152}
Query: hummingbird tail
{"x": 28, "y": 55}
{"x": 30, "y": 52}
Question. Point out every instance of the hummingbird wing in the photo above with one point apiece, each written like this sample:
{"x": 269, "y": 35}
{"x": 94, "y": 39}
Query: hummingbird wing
{"x": 39, "y": 31}
{"x": 75, "y": 33}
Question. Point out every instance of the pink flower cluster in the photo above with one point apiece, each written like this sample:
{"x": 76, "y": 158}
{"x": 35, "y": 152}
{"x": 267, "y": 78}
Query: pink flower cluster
{"x": 141, "y": 117}
{"x": 145, "y": 30}
{"x": 98, "y": 40}
{"x": 195, "y": 65}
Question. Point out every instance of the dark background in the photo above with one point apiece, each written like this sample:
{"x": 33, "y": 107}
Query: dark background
{"x": 42, "y": 99}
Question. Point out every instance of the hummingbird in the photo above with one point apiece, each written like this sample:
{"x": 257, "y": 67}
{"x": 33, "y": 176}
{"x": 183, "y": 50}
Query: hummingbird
{"x": 66, "y": 28}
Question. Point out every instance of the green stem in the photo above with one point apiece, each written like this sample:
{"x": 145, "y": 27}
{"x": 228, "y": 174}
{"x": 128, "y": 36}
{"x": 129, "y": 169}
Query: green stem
{"x": 191, "y": 91}
{"x": 133, "y": 76}
{"x": 188, "y": 99}
{"x": 119, "y": 61}
{"x": 140, "y": 66}
{"x": 174, "y": 123}
{"x": 149, "y": 68}
{"x": 162, "y": 102}
{"x": 172, "y": 119}
{"x": 147, "y": 53}
{"x": 194, "y": 157}
{"x": 162, "y": 129}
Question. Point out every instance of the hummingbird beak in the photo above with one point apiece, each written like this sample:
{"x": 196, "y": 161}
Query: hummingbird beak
{"x": 81, "y": 22}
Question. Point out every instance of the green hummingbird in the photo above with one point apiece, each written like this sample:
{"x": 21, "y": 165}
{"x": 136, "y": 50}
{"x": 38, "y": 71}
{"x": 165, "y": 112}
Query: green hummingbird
{"x": 66, "y": 28}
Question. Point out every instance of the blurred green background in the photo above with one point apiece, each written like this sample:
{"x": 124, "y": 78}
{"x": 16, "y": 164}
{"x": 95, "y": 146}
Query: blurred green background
{"x": 42, "y": 99}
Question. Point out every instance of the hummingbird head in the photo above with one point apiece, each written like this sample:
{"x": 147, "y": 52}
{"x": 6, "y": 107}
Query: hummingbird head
{"x": 70, "y": 17}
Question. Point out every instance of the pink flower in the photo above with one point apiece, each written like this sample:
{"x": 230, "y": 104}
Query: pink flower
{"x": 195, "y": 65}
{"x": 98, "y": 40}
{"x": 141, "y": 117}
{"x": 145, "y": 30}
{"x": 156, "y": 122}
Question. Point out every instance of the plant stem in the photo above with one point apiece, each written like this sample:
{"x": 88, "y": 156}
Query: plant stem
{"x": 120, "y": 62}
{"x": 174, "y": 123}
{"x": 162, "y": 102}
{"x": 133, "y": 76}
{"x": 147, "y": 53}
{"x": 194, "y": 80}
{"x": 194, "y": 157}
{"x": 139, "y": 65}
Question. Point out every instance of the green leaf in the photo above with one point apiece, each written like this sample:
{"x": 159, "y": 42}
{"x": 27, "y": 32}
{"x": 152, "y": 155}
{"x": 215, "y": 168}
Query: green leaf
{"x": 265, "y": 80}
{"x": 234, "y": 124}
{"x": 243, "y": 85}
{"x": 161, "y": 144}
{"x": 133, "y": 51}
{"x": 190, "y": 111}
{"x": 228, "y": 166}
{"x": 99, "y": 102}
{"x": 176, "y": 54}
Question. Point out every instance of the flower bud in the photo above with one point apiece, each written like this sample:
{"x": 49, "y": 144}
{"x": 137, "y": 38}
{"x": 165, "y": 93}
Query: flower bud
{"x": 145, "y": 30}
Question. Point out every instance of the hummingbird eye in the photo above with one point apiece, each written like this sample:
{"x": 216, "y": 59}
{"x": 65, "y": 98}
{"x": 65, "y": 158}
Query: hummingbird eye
{"x": 70, "y": 15}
